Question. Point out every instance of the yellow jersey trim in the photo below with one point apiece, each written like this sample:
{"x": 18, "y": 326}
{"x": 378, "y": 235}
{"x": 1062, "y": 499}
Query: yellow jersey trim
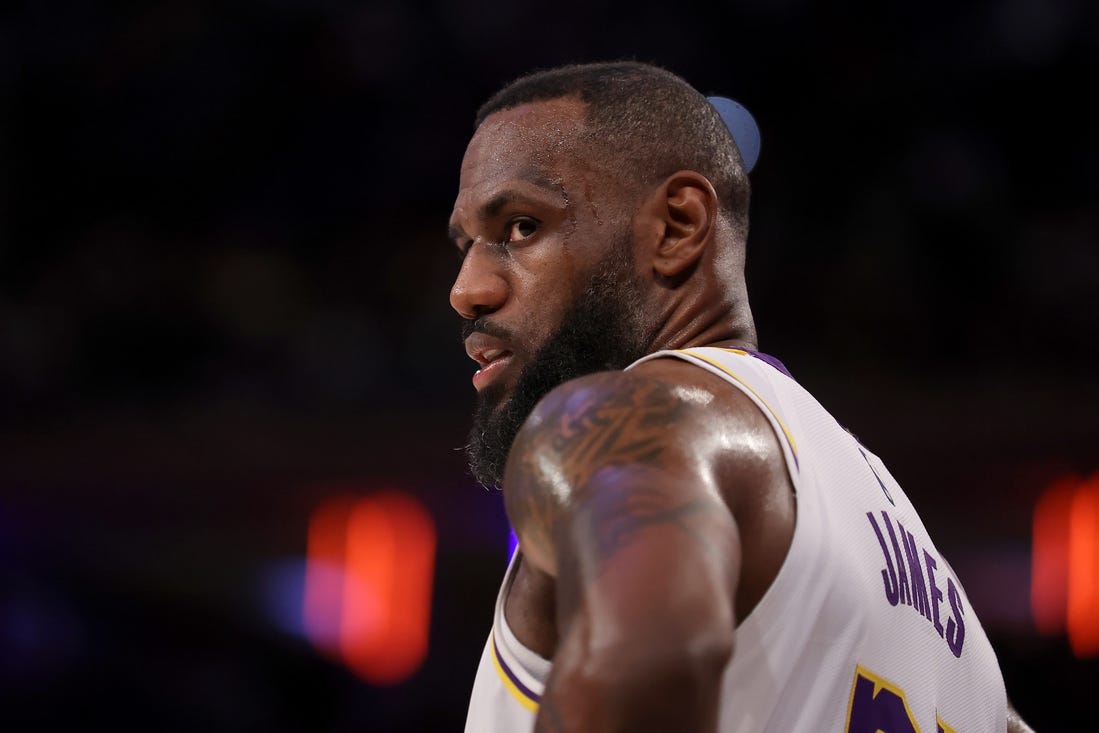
{"x": 525, "y": 700}
{"x": 734, "y": 375}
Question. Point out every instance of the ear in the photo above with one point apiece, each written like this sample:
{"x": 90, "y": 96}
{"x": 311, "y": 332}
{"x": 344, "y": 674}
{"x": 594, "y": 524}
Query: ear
{"x": 684, "y": 209}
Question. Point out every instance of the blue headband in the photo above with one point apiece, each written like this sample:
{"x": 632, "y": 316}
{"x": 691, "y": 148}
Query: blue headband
{"x": 743, "y": 127}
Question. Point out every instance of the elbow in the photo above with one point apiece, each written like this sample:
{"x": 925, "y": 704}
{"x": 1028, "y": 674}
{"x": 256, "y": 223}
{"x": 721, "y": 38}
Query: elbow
{"x": 706, "y": 658}
{"x": 703, "y": 656}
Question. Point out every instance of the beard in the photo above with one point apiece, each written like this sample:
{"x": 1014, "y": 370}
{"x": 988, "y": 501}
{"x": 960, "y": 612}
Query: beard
{"x": 602, "y": 330}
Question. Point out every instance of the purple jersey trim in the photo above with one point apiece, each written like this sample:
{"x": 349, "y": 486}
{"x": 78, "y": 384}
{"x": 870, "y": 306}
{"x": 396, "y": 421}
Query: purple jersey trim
{"x": 770, "y": 360}
{"x": 511, "y": 675}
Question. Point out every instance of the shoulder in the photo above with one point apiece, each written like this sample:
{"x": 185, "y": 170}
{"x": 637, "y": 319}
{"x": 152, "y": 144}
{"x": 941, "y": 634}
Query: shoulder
{"x": 613, "y": 417}
{"x": 607, "y": 400}
{"x": 645, "y": 414}
{"x": 665, "y": 420}
{"x": 660, "y": 389}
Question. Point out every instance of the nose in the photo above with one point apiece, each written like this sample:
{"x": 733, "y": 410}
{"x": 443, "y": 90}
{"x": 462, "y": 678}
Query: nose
{"x": 480, "y": 287}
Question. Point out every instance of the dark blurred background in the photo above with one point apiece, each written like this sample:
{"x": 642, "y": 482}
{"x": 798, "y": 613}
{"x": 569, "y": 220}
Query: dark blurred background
{"x": 223, "y": 299}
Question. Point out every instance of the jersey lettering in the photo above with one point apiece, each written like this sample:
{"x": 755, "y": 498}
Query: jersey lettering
{"x": 936, "y": 594}
{"x": 909, "y": 578}
{"x": 915, "y": 572}
{"x": 955, "y": 627}
{"x": 879, "y": 706}
{"x": 888, "y": 574}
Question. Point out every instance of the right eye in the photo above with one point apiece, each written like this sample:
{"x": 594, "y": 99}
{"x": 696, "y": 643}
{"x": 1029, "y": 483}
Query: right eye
{"x": 520, "y": 229}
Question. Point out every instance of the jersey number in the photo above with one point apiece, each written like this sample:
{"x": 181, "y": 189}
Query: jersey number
{"x": 878, "y": 706}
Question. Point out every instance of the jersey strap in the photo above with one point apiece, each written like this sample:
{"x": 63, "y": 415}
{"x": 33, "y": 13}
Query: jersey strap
{"x": 724, "y": 362}
{"x": 523, "y": 694}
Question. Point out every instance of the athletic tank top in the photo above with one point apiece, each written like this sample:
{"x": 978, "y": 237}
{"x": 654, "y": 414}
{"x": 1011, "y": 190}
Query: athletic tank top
{"x": 865, "y": 628}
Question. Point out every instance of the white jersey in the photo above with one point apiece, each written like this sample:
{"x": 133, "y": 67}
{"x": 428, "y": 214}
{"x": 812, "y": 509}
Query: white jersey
{"x": 865, "y": 628}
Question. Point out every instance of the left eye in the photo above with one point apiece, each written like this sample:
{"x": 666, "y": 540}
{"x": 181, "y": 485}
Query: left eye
{"x": 520, "y": 229}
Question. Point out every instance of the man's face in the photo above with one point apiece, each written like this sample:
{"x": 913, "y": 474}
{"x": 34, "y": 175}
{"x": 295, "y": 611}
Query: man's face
{"x": 548, "y": 283}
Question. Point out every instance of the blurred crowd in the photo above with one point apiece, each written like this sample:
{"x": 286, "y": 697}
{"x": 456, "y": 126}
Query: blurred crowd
{"x": 224, "y": 278}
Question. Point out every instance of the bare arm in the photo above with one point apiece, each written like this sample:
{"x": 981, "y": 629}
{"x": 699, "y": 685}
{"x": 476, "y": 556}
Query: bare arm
{"x": 608, "y": 496}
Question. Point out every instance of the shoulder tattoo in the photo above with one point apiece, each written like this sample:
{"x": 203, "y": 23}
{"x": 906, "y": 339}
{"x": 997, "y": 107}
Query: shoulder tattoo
{"x": 603, "y": 450}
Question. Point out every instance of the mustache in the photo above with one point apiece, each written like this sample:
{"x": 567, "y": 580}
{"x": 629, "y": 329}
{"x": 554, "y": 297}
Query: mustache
{"x": 481, "y": 325}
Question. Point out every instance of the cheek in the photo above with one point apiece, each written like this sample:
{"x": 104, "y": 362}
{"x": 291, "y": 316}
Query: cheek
{"x": 540, "y": 317}
{"x": 544, "y": 289}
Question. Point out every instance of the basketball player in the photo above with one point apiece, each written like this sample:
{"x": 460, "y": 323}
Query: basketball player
{"x": 702, "y": 546}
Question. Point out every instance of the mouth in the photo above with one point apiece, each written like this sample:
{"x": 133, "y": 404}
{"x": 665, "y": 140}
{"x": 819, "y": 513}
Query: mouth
{"x": 492, "y": 363}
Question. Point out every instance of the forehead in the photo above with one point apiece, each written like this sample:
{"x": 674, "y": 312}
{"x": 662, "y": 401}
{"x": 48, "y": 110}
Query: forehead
{"x": 532, "y": 142}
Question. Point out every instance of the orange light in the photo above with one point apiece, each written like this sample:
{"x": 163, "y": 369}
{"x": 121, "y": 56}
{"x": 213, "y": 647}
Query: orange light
{"x": 384, "y": 547}
{"x": 1050, "y": 557}
{"x": 324, "y": 573}
{"x": 1083, "y": 577}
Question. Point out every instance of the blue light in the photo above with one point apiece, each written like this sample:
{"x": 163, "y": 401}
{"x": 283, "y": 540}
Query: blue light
{"x": 281, "y": 585}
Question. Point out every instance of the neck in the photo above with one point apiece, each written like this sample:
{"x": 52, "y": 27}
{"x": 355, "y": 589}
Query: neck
{"x": 729, "y": 327}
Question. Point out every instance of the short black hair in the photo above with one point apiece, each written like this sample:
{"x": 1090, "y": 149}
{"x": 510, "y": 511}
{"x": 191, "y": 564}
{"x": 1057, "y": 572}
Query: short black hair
{"x": 642, "y": 121}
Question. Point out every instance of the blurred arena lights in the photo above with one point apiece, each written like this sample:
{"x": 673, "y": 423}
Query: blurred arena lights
{"x": 368, "y": 581}
{"x": 1065, "y": 563}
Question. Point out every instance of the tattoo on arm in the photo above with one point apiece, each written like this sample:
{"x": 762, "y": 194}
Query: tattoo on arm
{"x": 612, "y": 432}
{"x": 626, "y": 509}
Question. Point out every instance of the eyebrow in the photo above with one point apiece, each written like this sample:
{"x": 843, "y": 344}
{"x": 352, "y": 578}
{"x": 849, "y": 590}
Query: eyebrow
{"x": 497, "y": 203}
